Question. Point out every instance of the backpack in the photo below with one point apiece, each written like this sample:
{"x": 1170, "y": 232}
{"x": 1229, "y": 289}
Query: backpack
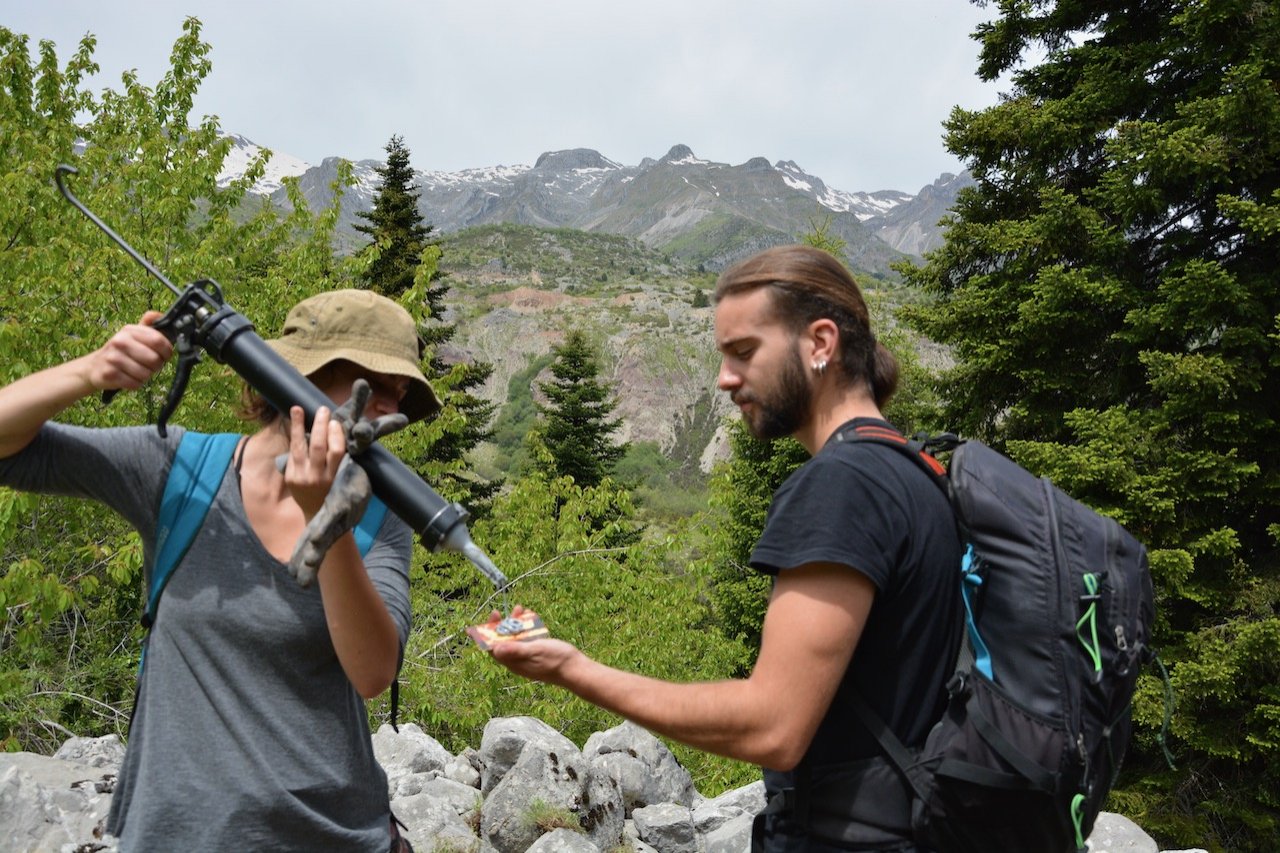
{"x": 1059, "y": 608}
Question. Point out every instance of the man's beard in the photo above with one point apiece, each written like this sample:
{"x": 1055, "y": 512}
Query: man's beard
{"x": 782, "y": 409}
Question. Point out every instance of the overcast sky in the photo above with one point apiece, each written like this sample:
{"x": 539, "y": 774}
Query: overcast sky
{"x": 854, "y": 91}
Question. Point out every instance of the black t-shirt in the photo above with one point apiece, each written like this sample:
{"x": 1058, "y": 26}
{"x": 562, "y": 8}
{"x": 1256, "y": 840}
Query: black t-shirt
{"x": 871, "y": 508}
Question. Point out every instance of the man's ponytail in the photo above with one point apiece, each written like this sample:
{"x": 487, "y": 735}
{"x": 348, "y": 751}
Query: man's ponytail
{"x": 883, "y": 377}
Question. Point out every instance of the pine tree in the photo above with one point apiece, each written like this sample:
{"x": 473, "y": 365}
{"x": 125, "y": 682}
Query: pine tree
{"x": 577, "y": 428}
{"x": 741, "y": 490}
{"x": 465, "y": 424}
{"x": 395, "y": 225}
{"x": 1109, "y": 290}
{"x": 407, "y": 268}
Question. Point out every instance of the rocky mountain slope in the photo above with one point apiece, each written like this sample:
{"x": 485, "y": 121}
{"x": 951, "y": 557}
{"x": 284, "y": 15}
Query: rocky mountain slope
{"x": 516, "y": 290}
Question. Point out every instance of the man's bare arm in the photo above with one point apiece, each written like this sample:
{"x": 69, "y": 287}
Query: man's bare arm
{"x": 815, "y": 617}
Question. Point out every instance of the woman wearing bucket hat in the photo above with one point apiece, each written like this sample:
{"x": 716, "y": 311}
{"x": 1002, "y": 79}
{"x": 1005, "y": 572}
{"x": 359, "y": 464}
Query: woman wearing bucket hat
{"x": 249, "y": 729}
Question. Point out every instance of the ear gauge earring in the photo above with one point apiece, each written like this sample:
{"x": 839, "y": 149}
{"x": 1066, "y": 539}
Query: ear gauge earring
{"x": 820, "y": 367}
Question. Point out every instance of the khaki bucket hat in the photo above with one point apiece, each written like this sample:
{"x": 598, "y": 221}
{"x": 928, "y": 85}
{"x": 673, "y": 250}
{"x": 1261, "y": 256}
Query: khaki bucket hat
{"x": 362, "y": 327}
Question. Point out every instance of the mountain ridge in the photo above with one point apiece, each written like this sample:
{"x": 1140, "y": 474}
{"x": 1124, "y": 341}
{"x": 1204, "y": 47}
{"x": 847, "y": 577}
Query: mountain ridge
{"x": 704, "y": 212}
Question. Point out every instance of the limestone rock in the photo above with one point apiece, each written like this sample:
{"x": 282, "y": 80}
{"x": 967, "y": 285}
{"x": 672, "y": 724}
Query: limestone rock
{"x": 46, "y": 803}
{"x": 623, "y": 790}
{"x": 668, "y": 827}
{"x": 1113, "y": 833}
{"x": 643, "y": 767}
{"x": 550, "y": 780}
{"x": 505, "y": 737}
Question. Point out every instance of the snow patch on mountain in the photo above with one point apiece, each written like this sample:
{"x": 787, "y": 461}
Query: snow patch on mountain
{"x": 682, "y": 155}
{"x": 861, "y": 204}
{"x": 367, "y": 178}
{"x": 472, "y": 177}
{"x": 244, "y": 152}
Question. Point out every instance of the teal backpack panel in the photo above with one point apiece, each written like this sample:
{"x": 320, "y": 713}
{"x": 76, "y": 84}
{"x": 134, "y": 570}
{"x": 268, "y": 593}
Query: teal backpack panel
{"x": 194, "y": 477}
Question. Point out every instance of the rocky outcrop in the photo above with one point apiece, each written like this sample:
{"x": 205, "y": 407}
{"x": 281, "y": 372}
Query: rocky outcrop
{"x": 913, "y": 227}
{"x": 59, "y": 803}
{"x": 527, "y": 788}
{"x": 657, "y": 351}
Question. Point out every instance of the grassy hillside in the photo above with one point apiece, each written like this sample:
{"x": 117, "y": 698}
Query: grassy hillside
{"x": 563, "y": 258}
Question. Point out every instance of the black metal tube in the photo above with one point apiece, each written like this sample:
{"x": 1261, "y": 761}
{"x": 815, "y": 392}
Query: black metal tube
{"x": 229, "y": 338}
{"x": 64, "y": 169}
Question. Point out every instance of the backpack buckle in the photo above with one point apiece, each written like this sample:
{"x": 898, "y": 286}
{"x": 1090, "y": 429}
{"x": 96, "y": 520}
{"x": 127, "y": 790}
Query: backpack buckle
{"x": 958, "y": 685}
{"x": 791, "y": 803}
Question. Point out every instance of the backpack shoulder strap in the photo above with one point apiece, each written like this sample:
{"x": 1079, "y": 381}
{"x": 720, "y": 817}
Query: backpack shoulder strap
{"x": 197, "y": 470}
{"x": 917, "y": 449}
{"x": 370, "y": 523}
{"x": 365, "y": 532}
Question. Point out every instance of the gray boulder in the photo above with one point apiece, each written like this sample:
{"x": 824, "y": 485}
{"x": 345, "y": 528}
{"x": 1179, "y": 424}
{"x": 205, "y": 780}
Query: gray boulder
{"x": 435, "y": 822}
{"x": 563, "y": 841}
{"x": 462, "y": 769}
{"x": 749, "y": 798}
{"x": 505, "y": 738}
{"x": 631, "y": 838}
{"x": 409, "y": 752}
{"x": 645, "y": 770}
{"x": 550, "y": 780}
{"x": 462, "y": 800}
{"x": 667, "y": 827}
{"x": 708, "y": 818}
{"x": 733, "y": 836}
{"x": 106, "y": 751}
{"x": 1113, "y": 833}
{"x": 47, "y": 803}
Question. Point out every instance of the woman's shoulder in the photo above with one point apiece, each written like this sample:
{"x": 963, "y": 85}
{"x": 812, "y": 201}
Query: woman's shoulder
{"x": 128, "y": 444}
{"x": 142, "y": 436}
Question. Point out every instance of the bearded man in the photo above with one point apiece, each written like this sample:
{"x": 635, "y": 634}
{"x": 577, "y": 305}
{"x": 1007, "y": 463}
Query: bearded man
{"x": 864, "y": 553}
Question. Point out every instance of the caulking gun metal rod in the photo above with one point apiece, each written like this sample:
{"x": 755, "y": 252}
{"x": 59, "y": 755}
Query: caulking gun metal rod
{"x": 64, "y": 169}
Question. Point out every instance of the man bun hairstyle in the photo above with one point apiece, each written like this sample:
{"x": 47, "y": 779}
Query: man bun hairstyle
{"x": 811, "y": 284}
